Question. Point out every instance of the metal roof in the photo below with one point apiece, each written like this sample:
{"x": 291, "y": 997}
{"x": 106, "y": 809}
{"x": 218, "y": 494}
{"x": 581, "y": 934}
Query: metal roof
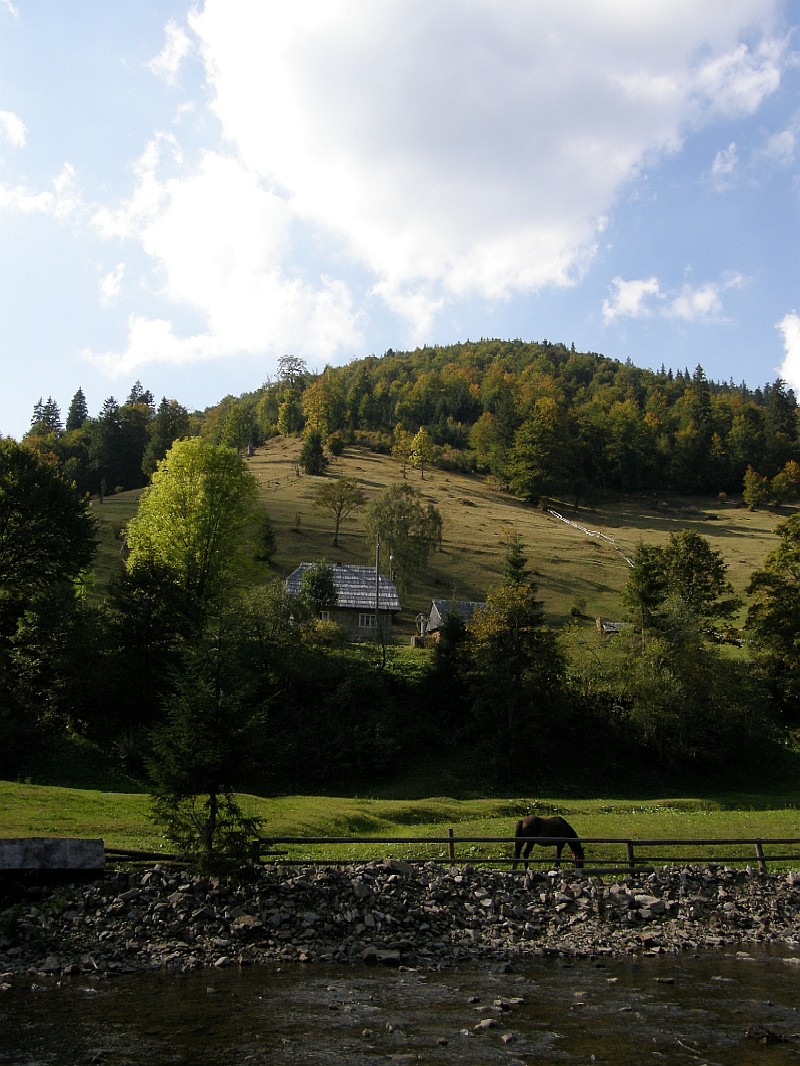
{"x": 355, "y": 587}
{"x": 439, "y": 608}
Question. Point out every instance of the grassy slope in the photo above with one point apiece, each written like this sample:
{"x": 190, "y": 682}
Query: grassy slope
{"x": 570, "y": 567}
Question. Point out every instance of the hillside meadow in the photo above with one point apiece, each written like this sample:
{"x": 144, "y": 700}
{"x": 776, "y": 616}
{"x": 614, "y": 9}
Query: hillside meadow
{"x": 579, "y": 574}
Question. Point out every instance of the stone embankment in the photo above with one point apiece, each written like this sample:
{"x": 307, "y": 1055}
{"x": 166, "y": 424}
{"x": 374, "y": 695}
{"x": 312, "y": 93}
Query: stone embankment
{"x": 391, "y": 912}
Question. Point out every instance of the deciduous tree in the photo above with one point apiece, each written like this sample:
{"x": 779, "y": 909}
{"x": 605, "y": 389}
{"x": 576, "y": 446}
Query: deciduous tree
{"x": 191, "y": 518}
{"x": 339, "y": 498}
{"x": 405, "y": 529}
{"x": 422, "y": 450}
{"x": 318, "y": 588}
{"x": 47, "y": 531}
{"x": 773, "y": 620}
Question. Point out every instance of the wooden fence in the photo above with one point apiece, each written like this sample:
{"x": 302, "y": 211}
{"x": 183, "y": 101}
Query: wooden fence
{"x": 634, "y": 854}
{"x": 620, "y": 855}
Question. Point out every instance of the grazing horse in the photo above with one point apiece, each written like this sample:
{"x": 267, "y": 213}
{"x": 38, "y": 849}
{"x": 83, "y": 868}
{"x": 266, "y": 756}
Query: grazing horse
{"x": 529, "y": 828}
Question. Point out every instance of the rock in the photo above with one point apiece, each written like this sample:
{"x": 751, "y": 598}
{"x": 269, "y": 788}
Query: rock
{"x": 427, "y": 915}
{"x": 373, "y": 956}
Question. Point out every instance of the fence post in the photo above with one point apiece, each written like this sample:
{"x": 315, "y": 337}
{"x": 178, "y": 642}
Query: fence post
{"x": 762, "y": 866}
{"x": 631, "y": 856}
{"x": 451, "y": 847}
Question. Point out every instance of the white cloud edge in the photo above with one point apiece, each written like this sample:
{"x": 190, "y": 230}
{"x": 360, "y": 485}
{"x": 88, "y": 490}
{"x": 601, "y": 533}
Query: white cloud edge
{"x": 14, "y": 129}
{"x": 177, "y": 48}
{"x": 789, "y": 328}
{"x": 645, "y": 298}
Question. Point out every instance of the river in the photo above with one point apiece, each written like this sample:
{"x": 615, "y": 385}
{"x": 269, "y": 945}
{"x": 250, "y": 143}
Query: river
{"x": 727, "y": 1007}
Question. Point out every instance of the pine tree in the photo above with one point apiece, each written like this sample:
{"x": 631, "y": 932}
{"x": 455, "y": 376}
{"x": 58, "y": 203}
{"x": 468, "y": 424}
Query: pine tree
{"x": 78, "y": 411}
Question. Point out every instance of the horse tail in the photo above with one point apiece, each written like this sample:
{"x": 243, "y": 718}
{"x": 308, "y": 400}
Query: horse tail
{"x": 519, "y": 840}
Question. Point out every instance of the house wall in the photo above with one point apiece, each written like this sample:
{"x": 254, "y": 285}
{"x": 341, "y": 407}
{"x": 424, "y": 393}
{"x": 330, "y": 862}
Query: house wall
{"x": 347, "y": 618}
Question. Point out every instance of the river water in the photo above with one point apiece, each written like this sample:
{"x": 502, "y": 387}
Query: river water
{"x": 728, "y": 1007}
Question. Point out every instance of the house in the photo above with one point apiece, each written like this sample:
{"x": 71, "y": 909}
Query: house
{"x": 465, "y": 609}
{"x": 365, "y": 608}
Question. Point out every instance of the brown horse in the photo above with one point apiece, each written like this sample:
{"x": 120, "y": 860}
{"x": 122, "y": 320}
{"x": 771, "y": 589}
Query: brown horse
{"x": 529, "y": 828}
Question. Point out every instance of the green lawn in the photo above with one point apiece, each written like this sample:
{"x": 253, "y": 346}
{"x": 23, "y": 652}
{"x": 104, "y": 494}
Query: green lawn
{"x": 121, "y": 820}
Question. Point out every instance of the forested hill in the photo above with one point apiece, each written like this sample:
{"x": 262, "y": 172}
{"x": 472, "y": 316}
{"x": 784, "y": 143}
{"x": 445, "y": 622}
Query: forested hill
{"x": 543, "y": 418}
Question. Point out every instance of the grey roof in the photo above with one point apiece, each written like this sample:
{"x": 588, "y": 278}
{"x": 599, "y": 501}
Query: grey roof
{"x": 439, "y": 608}
{"x": 355, "y": 587}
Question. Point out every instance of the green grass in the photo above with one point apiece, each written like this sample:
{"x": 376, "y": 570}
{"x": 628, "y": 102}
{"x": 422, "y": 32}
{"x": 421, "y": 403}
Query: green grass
{"x": 112, "y": 515}
{"x": 122, "y": 820}
{"x": 571, "y": 568}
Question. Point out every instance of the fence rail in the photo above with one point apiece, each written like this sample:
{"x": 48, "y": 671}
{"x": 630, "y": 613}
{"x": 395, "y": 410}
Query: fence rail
{"x": 619, "y": 854}
{"x": 760, "y": 849}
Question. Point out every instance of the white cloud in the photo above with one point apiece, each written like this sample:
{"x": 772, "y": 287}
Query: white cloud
{"x": 789, "y": 327}
{"x": 60, "y": 202}
{"x": 737, "y": 81}
{"x": 440, "y": 151}
{"x": 702, "y": 301}
{"x": 177, "y": 46}
{"x": 631, "y": 299}
{"x": 13, "y": 129}
{"x": 724, "y": 166}
{"x": 220, "y": 241}
{"x": 694, "y": 303}
{"x": 645, "y": 297}
{"x": 459, "y": 150}
{"x": 780, "y": 149}
{"x": 111, "y": 284}
{"x": 10, "y": 8}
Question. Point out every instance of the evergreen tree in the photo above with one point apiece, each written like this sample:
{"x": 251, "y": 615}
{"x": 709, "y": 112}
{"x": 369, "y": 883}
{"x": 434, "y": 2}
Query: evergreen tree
{"x": 312, "y": 455}
{"x": 516, "y": 570}
{"x": 171, "y": 423}
{"x": 78, "y": 413}
{"x": 201, "y": 753}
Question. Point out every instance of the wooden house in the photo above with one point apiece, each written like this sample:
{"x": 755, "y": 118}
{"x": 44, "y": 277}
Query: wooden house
{"x": 365, "y": 607}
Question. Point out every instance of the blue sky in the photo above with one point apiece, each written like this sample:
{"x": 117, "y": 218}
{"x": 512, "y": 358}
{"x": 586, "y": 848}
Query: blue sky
{"x": 189, "y": 191}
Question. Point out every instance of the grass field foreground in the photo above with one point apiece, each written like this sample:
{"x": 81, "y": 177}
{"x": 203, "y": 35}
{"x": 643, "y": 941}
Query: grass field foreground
{"x": 122, "y": 820}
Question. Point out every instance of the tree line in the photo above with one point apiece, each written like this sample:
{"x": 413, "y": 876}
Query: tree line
{"x": 542, "y": 418}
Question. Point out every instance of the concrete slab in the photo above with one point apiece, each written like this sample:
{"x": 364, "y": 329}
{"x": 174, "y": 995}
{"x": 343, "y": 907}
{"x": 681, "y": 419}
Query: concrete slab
{"x": 51, "y": 855}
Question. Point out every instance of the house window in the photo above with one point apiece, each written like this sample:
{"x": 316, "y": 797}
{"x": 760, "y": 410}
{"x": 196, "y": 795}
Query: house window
{"x": 366, "y": 621}
{"x": 324, "y": 616}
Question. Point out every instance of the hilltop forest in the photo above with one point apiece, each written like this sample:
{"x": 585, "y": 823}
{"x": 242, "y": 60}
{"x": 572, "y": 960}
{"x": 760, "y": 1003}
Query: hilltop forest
{"x": 542, "y": 418}
{"x": 197, "y": 680}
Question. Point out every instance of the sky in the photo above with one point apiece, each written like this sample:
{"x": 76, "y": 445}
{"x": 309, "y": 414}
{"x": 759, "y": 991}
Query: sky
{"x": 191, "y": 190}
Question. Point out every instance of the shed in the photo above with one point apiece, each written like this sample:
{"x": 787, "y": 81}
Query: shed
{"x": 465, "y": 609}
{"x": 358, "y": 594}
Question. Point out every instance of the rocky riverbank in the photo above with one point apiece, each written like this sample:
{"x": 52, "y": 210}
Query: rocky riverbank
{"x": 390, "y": 913}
